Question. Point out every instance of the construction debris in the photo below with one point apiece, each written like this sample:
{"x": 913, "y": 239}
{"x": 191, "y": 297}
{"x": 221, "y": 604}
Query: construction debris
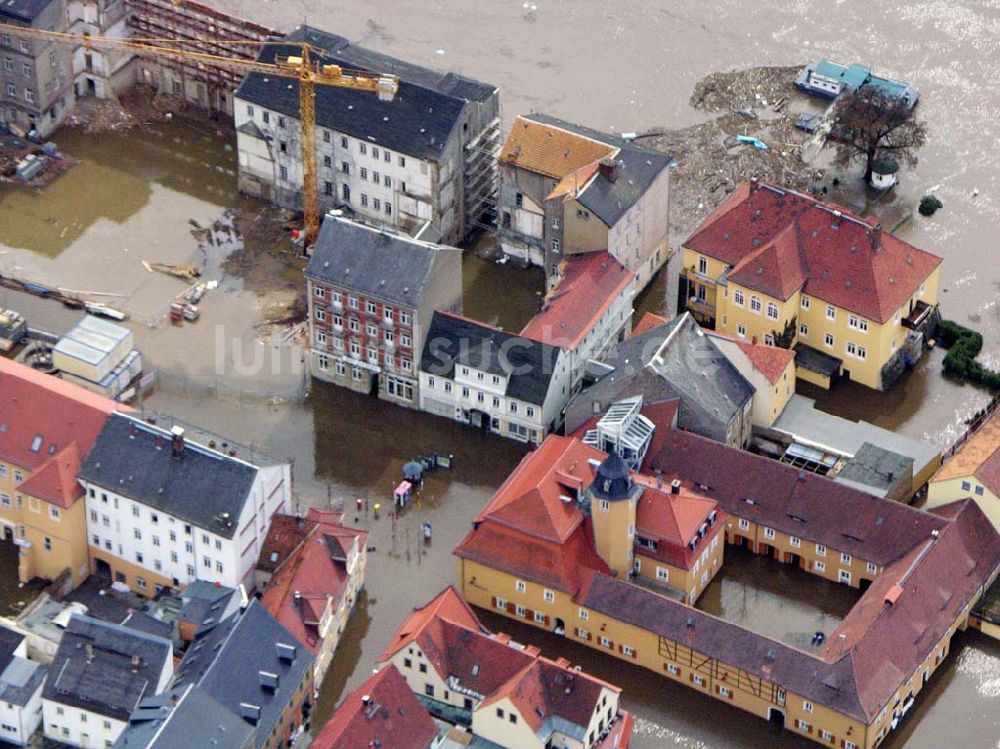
{"x": 183, "y": 272}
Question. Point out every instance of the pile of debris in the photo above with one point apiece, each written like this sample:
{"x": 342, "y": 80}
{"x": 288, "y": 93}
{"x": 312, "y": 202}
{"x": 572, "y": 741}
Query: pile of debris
{"x": 753, "y": 135}
{"x": 745, "y": 89}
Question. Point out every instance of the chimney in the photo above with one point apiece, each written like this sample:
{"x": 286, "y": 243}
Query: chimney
{"x": 298, "y": 599}
{"x": 177, "y": 441}
{"x": 876, "y": 237}
{"x": 90, "y": 652}
{"x": 837, "y": 215}
{"x": 675, "y": 486}
{"x": 608, "y": 168}
{"x": 136, "y": 661}
{"x": 754, "y": 184}
{"x": 299, "y": 520}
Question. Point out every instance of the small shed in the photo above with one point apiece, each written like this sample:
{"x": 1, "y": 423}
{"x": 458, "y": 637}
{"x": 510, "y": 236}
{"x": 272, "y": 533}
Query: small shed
{"x": 884, "y": 173}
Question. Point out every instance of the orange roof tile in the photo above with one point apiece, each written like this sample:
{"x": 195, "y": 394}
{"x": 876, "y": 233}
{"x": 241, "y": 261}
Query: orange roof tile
{"x": 979, "y": 456}
{"x": 550, "y": 150}
{"x": 589, "y": 286}
{"x": 771, "y": 361}
{"x": 647, "y": 322}
{"x": 47, "y": 425}
{"x": 575, "y": 181}
{"x": 846, "y": 261}
{"x": 530, "y": 499}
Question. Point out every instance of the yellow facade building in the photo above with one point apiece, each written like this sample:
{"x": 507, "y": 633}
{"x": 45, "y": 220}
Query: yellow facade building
{"x": 46, "y": 428}
{"x": 972, "y": 470}
{"x": 777, "y": 267}
{"x": 851, "y": 692}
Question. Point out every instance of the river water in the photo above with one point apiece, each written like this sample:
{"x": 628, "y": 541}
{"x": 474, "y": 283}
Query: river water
{"x": 621, "y": 66}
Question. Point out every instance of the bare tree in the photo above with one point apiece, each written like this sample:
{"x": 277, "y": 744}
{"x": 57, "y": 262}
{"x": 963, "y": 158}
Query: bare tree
{"x": 874, "y": 125}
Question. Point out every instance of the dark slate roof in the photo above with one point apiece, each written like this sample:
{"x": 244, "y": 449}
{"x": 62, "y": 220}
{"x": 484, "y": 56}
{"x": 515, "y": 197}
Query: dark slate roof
{"x": 877, "y": 467}
{"x": 107, "y": 684}
{"x": 10, "y": 640}
{"x": 361, "y": 58}
{"x": 142, "y": 622}
{"x": 227, "y": 660}
{"x": 24, "y": 10}
{"x": 795, "y": 670}
{"x": 803, "y": 504}
{"x": 206, "y": 604}
{"x": 636, "y": 171}
{"x": 418, "y": 121}
{"x": 20, "y": 680}
{"x": 135, "y": 459}
{"x": 815, "y": 360}
{"x": 171, "y": 719}
{"x": 454, "y": 339}
{"x": 711, "y": 389}
{"x": 374, "y": 262}
{"x": 607, "y": 138}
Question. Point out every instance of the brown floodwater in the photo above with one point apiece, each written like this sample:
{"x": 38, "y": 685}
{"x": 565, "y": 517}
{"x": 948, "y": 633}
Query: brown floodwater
{"x": 622, "y": 67}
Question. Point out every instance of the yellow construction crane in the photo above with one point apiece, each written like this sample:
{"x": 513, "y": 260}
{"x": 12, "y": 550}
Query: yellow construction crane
{"x": 304, "y": 67}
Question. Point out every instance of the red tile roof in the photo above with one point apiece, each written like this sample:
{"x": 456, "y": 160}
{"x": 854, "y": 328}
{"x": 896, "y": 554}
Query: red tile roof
{"x": 530, "y": 499}
{"x": 914, "y": 601}
{"x": 771, "y": 361}
{"x": 673, "y": 520}
{"x": 446, "y": 606}
{"x": 647, "y": 322}
{"x": 61, "y": 418}
{"x": 590, "y": 284}
{"x": 393, "y": 717}
{"x": 777, "y": 269}
{"x": 777, "y": 239}
{"x": 545, "y": 688}
{"x": 284, "y": 535}
{"x": 317, "y": 571}
{"x": 811, "y": 507}
{"x": 457, "y": 646}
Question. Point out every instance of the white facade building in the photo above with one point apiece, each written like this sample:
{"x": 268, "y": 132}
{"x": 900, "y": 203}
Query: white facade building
{"x": 502, "y": 383}
{"x": 20, "y": 689}
{"x": 427, "y": 155}
{"x": 100, "y": 673}
{"x": 163, "y": 511}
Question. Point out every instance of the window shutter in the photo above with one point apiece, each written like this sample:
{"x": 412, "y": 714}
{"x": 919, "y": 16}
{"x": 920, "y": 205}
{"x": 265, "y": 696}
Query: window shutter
{"x": 511, "y": 608}
{"x": 493, "y": 601}
{"x": 546, "y": 620}
{"x": 634, "y": 652}
{"x": 621, "y": 648}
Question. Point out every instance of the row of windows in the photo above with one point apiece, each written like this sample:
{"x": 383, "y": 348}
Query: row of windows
{"x": 22, "y": 44}
{"x": 353, "y": 302}
{"x": 387, "y": 358}
{"x": 354, "y": 325}
{"x": 967, "y": 486}
{"x": 29, "y": 95}
{"x": 514, "y": 407}
{"x": 796, "y": 542}
{"x": 8, "y": 66}
{"x": 326, "y": 136}
{"x": 18, "y": 474}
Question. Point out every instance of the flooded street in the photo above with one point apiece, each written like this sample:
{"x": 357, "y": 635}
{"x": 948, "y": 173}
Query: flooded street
{"x": 621, "y": 67}
{"x": 776, "y": 599}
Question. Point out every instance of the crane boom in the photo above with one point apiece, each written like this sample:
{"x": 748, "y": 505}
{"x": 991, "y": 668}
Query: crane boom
{"x": 306, "y": 67}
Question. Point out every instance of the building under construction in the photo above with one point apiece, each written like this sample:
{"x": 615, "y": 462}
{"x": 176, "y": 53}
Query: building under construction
{"x": 107, "y": 73}
{"x": 427, "y": 155}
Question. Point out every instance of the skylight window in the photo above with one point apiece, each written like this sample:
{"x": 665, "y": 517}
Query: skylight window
{"x": 36, "y": 444}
